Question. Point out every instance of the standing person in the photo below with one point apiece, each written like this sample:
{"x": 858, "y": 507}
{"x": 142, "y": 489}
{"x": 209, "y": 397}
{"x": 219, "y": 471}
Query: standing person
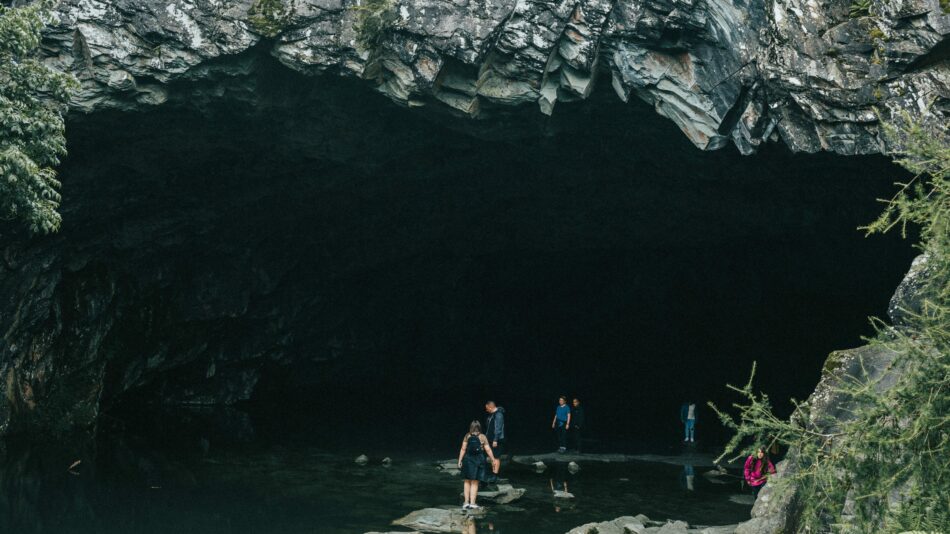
{"x": 562, "y": 423}
{"x": 757, "y": 469}
{"x": 495, "y": 427}
{"x": 475, "y": 447}
{"x": 577, "y": 423}
{"x": 495, "y": 431}
{"x": 688, "y": 417}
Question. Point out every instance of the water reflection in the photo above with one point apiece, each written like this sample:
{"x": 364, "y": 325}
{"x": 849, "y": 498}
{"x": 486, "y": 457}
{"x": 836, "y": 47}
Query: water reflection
{"x": 194, "y": 483}
{"x": 688, "y": 477}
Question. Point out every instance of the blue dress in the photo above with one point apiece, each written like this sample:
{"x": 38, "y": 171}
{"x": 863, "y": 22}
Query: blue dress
{"x": 474, "y": 463}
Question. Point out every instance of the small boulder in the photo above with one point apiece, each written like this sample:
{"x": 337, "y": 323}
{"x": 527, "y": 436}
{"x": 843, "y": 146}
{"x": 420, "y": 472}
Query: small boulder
{"x": 539, "y": 467}
{"x": 387, "y": 461}
{"x": 573, "y": 467}
{"x": 362, "y": 459}
{"x": 559, "y": 494}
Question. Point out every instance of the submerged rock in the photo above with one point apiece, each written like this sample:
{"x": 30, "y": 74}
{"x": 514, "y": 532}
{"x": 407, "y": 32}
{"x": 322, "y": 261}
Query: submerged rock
{"x": 742, "y": 498}
{"x": 539, "y": 467}
{"x": 361, "y": 460}
{"x": 573, "y": 467}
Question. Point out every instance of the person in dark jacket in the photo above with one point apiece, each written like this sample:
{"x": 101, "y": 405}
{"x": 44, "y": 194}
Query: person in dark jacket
{"x": 577, "y": 423}
{"x": 495, "y": 427}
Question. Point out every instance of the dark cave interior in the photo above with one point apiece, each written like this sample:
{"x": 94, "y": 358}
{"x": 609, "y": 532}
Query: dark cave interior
{"x": 338, "y": 266}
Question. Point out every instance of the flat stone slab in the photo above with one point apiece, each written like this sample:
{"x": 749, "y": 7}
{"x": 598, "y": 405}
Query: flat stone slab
{"x": 447, "y": 519}
{"x": 694, "y": 459}
{"x": 506, "y": 493}
{"x": 642, "y": 524}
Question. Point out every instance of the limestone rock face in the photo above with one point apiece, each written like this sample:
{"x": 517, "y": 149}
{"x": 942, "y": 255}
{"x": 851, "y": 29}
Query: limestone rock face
{"x": 746, "y": 72}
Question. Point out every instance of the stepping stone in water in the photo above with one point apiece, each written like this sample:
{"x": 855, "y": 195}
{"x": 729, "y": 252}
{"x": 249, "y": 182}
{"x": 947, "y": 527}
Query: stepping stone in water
{"x": 439, "y": 519}
{"x": 505, "y": 494}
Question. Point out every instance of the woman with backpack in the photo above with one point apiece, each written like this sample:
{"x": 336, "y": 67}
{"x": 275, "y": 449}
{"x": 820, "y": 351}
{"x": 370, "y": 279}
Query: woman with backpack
{"x": 475, "y": 448}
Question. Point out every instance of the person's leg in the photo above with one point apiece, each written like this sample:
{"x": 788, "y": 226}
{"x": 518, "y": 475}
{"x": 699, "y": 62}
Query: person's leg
{"x": 577, "y": 439}
{"x": 474, "y": 491}
{"x": 692, "y": 430}
{"x": 562, "y": 438}
{"x": 686, "y": 430}
{"x": 467, "y": 490}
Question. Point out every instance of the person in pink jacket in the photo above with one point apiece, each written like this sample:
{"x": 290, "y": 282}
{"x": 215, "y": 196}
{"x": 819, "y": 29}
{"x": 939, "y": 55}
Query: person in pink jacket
{"x": 757, "y": 469}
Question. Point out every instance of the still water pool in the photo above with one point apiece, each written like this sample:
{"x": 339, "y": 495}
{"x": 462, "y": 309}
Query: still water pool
{"x": 290, "y": 490}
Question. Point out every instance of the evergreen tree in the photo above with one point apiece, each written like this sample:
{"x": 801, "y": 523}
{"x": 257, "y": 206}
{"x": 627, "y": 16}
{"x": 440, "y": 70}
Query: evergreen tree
{"x": 887, "y": 469}
{"x": 33, "y": 98}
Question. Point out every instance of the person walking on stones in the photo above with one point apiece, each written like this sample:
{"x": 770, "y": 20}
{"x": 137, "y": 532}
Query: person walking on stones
{"x": 688, "y": 417}
{"x": 757, "y": 469}
{"x": 561, "y": 423}
{"x": 472, "y": 463}
{"x": 577, "y": 423}
{"x": 495, "y": 430}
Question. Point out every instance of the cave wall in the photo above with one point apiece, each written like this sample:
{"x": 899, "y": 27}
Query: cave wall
{"x": 318, "y": 235}
{"x": 746, "y": 72}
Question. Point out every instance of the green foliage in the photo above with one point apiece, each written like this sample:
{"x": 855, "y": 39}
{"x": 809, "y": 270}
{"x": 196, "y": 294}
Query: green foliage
{"x": 33, "y": 98}
{"x": 849, "y": 473}
{"x": 269, "y": 17}
{"x": 374, "y": 19}
{"x": 860, "y": 8}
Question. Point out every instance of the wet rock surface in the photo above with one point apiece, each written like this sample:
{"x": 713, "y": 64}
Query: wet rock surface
{"x": 745, "y": 72}
{"x": 642, "y": 524}
{"x": 439, "y": 519}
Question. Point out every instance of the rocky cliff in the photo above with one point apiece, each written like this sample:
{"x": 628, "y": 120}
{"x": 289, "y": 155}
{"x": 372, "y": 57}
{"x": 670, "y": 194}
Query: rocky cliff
{"x": 804, "y": 72}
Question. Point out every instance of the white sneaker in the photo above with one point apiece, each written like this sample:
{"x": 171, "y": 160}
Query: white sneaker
{"x": 466, "y": 506}
{"x": 473, "y": 507}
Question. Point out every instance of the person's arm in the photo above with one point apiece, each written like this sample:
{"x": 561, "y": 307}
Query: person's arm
{"x": 568, "y": 426}
{"x": 771, "y": 468}
{"x": 554, "y": 421}
{"x": 462, "y": 451}
{"x": 487, "y": 447}
{"x": 747, "y": 470}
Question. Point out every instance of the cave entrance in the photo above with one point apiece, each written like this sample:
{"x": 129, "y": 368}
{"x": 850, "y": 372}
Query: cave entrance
{"x": 338, "y": 266}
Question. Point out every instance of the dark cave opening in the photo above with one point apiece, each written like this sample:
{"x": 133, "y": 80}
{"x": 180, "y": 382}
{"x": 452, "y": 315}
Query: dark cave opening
{"x": 338, "y": 266}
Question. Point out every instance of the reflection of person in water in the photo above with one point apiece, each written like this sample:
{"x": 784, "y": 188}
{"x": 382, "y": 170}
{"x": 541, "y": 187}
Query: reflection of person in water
{"x": 688, "y": 477}
{"x": 559, "y": 477}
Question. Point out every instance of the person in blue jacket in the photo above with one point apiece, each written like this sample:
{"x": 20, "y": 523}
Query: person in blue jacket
{"x": 688, "y": 417}
{"x": 562, "y": 423}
